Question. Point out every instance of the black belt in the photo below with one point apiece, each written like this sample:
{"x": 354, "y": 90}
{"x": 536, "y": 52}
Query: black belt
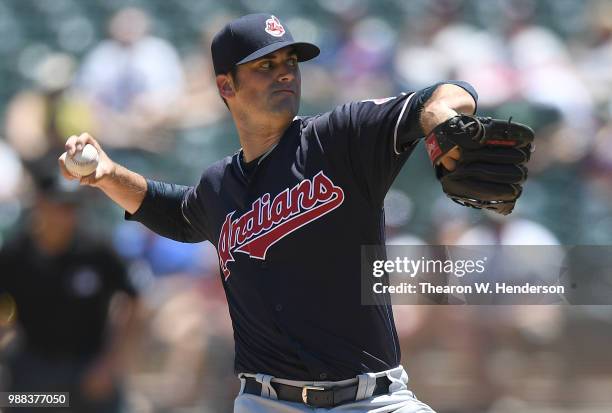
{"x": 316, "y": 396}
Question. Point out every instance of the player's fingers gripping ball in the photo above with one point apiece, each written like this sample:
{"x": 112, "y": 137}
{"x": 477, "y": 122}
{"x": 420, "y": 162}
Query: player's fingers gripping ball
{"x": 491, "y": 169}
{"x": 82, "y": 163}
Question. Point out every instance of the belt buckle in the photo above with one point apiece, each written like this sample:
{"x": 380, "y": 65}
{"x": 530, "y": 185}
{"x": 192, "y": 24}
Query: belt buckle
{"x": 305, "y": 393}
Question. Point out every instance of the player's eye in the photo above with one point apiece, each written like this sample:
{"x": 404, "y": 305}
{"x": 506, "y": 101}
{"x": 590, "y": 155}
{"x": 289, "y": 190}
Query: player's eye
{"x": 266, "y": 64}
{"x": 292, "y": 61}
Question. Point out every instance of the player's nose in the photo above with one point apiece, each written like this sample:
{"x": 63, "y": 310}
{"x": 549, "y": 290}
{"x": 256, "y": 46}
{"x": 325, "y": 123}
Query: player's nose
{"x": 286, "y": 77}
{"x": 286, "y": 74}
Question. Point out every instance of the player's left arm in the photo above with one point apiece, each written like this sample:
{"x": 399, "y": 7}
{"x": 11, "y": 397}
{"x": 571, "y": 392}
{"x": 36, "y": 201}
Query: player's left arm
{"x": 480, "y": 162}
{"x": 373, "y": 138}
{"x": 446, "y": 102}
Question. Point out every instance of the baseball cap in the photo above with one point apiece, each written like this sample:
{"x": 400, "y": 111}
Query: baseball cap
{"x": 251, "y": 37}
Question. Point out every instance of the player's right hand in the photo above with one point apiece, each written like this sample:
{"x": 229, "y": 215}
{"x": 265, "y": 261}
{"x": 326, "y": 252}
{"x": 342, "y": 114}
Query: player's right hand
{"x": 105, "y": 167}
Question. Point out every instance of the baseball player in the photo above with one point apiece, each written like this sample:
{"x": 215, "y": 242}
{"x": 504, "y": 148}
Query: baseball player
{"x": 289, "y": 211}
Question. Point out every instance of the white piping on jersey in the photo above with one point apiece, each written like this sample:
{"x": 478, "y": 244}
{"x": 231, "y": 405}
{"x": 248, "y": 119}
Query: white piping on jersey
{"x": 267, "y": 152}
{"x": 399, "y": 119}
{"x": 239, "y": 166}
{"x": 185, "y": 217}
{"x": 239, "y": 153}
{"x": 260, "y": 159}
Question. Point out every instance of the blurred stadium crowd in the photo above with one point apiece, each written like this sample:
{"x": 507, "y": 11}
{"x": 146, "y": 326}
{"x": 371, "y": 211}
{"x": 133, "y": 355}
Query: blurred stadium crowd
{"x": 137, "y": 75}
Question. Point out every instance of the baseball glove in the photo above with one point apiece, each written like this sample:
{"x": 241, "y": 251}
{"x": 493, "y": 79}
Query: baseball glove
{"x": 491, "y": 168}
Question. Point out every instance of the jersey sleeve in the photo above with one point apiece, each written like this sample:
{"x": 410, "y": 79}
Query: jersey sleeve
{"x": 173, "y": 211}
{"x": 194, "y": 212}
{"x": 373, "y": 138}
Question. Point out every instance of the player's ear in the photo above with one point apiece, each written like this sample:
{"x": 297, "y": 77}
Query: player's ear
{"x": 225, "y": 86}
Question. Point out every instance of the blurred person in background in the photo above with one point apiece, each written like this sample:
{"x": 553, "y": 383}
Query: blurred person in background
{"x": 69, "y": 300}
{"x": 38, "y": 119}
{"x": 428, "y": 50}
{"x": 186, "y": 362}
{"x": 11, "y": 186}
{"x": 595, "y": 55}
{"x": 200, "y": 105}
{"x": 363, "y": 57}
{"x": 134, "y": 80}
{"x": 399, "y": 211}
{"x": 544, "y": 62}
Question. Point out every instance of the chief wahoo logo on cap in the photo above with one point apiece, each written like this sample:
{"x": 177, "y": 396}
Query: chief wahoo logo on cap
{"x": 274, "y": 27}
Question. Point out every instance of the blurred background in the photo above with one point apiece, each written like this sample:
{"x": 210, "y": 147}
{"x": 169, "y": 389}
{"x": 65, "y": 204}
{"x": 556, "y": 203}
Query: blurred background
{"x": 137, "y": 75}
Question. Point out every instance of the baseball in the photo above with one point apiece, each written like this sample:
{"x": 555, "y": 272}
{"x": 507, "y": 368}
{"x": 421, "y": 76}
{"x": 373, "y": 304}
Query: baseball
{"x": 83, "y": 163}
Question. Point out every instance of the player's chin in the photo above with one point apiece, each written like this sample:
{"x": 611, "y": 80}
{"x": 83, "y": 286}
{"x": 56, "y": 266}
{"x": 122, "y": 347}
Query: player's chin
{"x": 283, "y": 111}
{"x": 287, "y": 108}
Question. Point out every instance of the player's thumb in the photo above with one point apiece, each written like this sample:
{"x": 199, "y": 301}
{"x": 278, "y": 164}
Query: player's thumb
{"x": 105, "y": 169}
{"x": 62, "y": 166}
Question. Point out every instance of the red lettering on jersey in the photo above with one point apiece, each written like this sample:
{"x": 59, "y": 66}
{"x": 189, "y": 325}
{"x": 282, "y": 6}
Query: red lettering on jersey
{"x": 266, "y": 223}
{"x": 224, "y": 246}
{"x": 258, "y": 224}
{"x": 280, "y": 206}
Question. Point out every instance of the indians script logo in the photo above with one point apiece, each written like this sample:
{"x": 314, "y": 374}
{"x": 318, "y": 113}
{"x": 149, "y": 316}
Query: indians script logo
{"x": 274, "y": 27}
{"x": 267, "y": 222}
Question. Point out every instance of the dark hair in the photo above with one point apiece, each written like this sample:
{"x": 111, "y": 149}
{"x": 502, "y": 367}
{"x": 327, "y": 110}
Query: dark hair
{"x": 234, "y": 73}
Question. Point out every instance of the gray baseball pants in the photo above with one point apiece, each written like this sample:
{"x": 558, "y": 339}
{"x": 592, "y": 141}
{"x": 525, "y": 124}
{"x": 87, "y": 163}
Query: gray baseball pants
{"x": 398, "y": 400}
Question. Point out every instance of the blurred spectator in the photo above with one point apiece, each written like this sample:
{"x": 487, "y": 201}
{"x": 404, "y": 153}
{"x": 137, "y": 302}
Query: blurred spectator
{"x": 549, "y": 76}
{"x": 363, "y": 60}
{"x": 38, "y": 120}
{"x": 163, "y": 256}
{"x": 449, "y": 348}
{"x": 544, "y": 64}
{"x": 70, "y": 301}
{"x": 11, "y": 170}
{"x": 187, "y": 354}
{"x": 134, "y": 80}
{"x": 430, "y": 51}
{"x": 530, "y": 253}
{"x": 595, "y": 62}
{"x": 201, "y": 104}
{"x": 599, "y": 166}
{"x": 398, "y": 212}
{"x": 11, "y": 187}
{"x": 507, "y": 231}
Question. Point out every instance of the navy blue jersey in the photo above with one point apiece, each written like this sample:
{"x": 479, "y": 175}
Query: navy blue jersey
{"x": 289, "y": 234}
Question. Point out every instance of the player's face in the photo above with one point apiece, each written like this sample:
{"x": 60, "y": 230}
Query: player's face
{"x": 270, "y": 85}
